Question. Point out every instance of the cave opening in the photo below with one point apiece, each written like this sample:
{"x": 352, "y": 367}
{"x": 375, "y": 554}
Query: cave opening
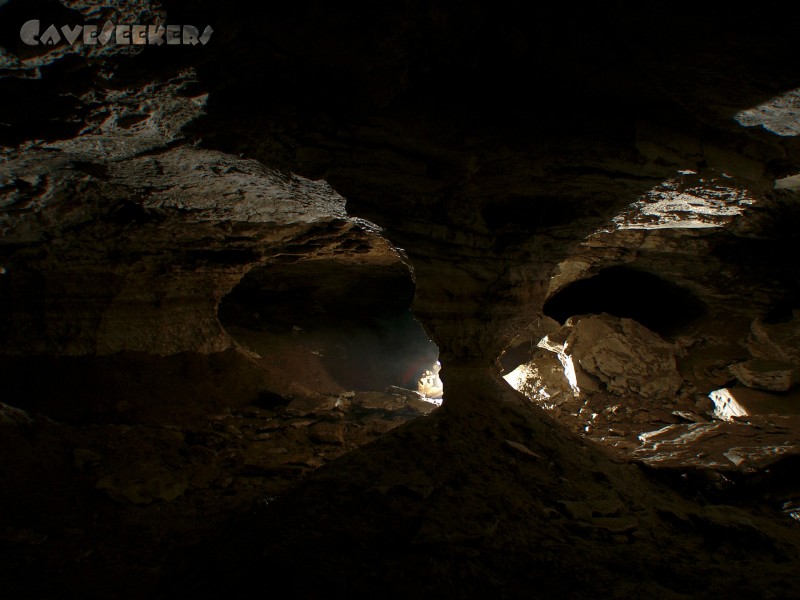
{"x": 337, "y": 323}
{"x": 659, "y": 305}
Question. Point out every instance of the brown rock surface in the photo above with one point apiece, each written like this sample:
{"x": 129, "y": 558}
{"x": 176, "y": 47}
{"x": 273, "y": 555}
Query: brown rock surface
{"x": 529, "y": 477}
{"x": 778, "y": 341}
{"x": 620, "y": 355}
{"x": 194, "y": 238}
{"x": 743, "y": 402}
{"x": 770, "y": 375}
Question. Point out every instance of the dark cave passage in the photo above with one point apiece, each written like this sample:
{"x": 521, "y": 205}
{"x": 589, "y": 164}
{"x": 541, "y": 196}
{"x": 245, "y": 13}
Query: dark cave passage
{"x": 357, "y": 316}
{"x": 659, "y": 305}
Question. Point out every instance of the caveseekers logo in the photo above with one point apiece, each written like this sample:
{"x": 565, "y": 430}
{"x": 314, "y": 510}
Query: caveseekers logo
{"x": 111, "y": 33}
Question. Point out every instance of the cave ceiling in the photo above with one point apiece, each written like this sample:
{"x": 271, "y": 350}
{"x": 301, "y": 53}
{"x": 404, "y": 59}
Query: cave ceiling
{"x": 496, "y": 152}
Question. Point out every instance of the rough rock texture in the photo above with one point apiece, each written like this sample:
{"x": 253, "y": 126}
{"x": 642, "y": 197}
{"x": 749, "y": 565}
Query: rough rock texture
{"x": 543, "y": 380}
{"x": 778, "y": 341}
{"x": 455, "y": 518}
{"x": 151, "y": 241}
{"x": 771, "y": 375}
{"x": 730, "y": 403}
{"x": 721, "y": 446}
{"x": 121, "y": 497}
{"x": 619, "y": 355}
{"x": 174, "y": 221}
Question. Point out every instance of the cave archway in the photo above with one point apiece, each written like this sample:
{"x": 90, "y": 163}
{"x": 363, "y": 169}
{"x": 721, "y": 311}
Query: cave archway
{"x": 354, "y": 317}
{"x": 659, "y": 305}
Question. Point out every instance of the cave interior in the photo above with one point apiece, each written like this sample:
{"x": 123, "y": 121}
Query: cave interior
{"x": 405, "y": 300}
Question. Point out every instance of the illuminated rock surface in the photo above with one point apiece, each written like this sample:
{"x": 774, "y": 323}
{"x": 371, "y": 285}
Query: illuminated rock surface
{"x": 618, "y": 355}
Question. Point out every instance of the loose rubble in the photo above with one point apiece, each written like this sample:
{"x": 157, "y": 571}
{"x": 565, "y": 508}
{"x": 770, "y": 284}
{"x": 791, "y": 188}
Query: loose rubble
{"x": 620, "y": 385}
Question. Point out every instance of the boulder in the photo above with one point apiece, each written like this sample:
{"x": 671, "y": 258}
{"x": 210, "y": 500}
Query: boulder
{"x": 620, "y": 355}
{"x": 772, "y": 375}
{"x": 775, "y": 341}
{"x": 542, "y": 380}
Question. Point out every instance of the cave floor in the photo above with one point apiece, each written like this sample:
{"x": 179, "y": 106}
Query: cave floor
{"x": 361, "y": 493}
{"x": 497, "y": 501}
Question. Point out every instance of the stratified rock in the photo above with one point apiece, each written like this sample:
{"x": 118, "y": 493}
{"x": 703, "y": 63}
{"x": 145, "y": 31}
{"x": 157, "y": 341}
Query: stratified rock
{"x": 770, "y": 375}
{"x": 621, "y": 354}
{"x": 327, "y": 433}
{"x": 380, "y": 401}
{"x": 722, "y": 446}
{"x": 743, "y": 402}
{"x": 134, "y": 244}
{"x": 303, "y": 406}
{"x": 778, "y": 341}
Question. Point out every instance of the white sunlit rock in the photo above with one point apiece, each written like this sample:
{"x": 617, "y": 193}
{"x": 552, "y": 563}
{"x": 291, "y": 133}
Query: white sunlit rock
{"x": 725, "y": 405}
{"x": 542, "y": 380}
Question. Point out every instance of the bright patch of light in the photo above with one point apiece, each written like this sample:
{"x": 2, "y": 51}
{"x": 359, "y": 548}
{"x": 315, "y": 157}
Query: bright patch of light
{"x": 569, "y": 371}
{"x": 539, "y": 383}
{"x": 725, "y": 405}
{"x": 526, "y": 380}
{"x": 565, "y": 359}
{"x": 687, "y": 202}
{"x": 516, "y": 378}
{"x": 792, "y": 509}
{"x": 779, "y": 115}
{"x": 788, "y": 183}
{"x": 430, "y": 385}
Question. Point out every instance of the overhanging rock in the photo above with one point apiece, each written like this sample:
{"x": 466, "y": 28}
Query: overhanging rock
{"x": 773, "y": 375}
